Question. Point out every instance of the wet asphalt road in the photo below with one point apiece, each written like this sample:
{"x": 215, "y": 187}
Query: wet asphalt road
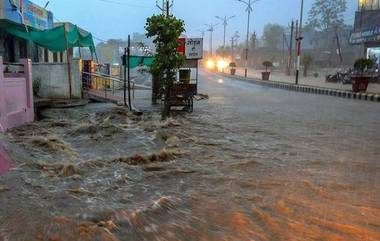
{"x": 251, "y": 163}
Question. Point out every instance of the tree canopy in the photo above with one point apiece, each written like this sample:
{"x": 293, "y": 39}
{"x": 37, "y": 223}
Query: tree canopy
{"x": 326, "y": 14}
{"x": 165, "y": 31}
{"x": 273, "y": 34}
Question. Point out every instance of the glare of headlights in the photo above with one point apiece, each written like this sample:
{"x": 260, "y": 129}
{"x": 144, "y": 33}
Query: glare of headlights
{"x": 210, "y": 64}
{"x": 221, "y": 64}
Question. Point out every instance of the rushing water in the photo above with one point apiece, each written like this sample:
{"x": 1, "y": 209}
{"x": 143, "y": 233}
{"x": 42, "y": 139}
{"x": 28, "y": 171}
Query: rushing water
{"x": 99, "y": 173}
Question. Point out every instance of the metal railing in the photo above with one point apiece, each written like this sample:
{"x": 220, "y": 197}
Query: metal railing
{"x": 110, "y": 87}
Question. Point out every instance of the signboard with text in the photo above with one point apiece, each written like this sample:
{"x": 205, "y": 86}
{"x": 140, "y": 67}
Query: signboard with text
{"x": 194, "y": 48}
{"x": 191, "y": 48}
{"x": 27, "y": 13}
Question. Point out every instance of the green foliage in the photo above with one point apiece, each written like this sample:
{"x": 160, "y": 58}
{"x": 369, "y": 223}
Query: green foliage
{"x": 253, "y": 42}
{"x": 362, "y": 64}
{"x": 267, "y": 64}
{"x": 165, "y": 31}
{"x": 36, "y": 86}
{"x": 307, "y": 60}
{"x": 273, "y": 34}
{"x": 325, "y": 14}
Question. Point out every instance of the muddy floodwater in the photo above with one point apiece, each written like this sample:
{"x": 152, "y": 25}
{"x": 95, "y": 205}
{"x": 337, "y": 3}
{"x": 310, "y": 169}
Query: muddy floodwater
{"x": 249, "y": 164}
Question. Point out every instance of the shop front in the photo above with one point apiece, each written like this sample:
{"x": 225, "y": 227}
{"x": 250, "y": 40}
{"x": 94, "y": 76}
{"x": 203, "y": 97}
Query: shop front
{"x": 25, "y": 15}
{"x": 367, "y": 28}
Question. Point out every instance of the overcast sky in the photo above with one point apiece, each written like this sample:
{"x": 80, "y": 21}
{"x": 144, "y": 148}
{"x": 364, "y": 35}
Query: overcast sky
{"x": 118, "y": 18}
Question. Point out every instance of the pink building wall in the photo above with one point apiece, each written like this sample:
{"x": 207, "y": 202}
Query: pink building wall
{"x": 16, "y": 96}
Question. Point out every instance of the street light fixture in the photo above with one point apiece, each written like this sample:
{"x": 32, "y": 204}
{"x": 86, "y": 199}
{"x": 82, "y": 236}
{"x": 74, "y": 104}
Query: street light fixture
{"x": 249, "y": 10}
{"x": 202, "y": 32}
{"x": 225, "y": 20}
{"x": 211, "y": 30}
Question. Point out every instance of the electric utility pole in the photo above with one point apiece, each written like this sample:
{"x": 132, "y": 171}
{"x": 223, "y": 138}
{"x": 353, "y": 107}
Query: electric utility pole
{"x": 202, "y": 32}
{"x": 225, "y": 20}
{"x": 211, "y": 30}
{"x": 299, "y": 44}
{"x": 339, "y": 49}
{"x": 290, "y": 58}
{"x": 165, "y": 6}
{"x": 234, "y": 41}
{"x": 249, "y": 10}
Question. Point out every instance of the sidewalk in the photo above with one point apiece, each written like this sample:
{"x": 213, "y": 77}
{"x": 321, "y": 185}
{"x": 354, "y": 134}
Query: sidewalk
{"x": 309, "y": 81}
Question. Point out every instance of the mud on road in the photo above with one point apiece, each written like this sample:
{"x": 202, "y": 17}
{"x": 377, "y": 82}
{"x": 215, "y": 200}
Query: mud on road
{"x": 100, "y": 173}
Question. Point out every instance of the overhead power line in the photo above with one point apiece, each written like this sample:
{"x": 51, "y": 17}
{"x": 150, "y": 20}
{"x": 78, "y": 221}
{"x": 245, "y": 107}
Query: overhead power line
{"x": 124, "y": 3}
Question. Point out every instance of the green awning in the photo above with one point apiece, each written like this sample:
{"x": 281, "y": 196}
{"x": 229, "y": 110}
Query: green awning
{"x": 57, "y": 39}
{"x": 136, "y": 61}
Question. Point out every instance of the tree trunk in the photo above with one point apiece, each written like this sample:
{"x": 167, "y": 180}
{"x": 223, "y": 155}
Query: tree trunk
{"x": 168, "y": 85}
{"x": 155, "y": 89}
{"x": 305, "y": 70}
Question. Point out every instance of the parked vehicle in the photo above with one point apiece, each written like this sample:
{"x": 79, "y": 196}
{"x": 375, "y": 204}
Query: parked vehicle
{"x": 340, "y": 77}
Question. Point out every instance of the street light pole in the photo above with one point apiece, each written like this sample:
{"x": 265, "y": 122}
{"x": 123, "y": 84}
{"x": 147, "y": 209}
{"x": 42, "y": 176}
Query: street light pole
{"x": 247, "y": 42}
{"x": 211, "y": 30}
{"x": 249, "y": 9}
{"x": 234, "y": 40}
{"x": 225, "y": 20}
{"x": 165, "y": 7}
{"x": 299, "y": 44}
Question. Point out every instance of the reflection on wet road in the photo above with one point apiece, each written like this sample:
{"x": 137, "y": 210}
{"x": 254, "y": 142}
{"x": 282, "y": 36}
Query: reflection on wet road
{"x": 252, "y": 163}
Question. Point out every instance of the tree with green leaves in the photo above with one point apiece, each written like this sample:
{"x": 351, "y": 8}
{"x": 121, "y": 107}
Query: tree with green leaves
{"x": 307, "y": 60}
{"x": 273, "y": 34}
{"x": 326, "y": 14}
{"x": 253, "y": 42}
{"x": 165, "y": 31}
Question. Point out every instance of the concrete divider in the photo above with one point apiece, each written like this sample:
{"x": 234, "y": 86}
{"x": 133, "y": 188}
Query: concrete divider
{"x": 310, "y": 89}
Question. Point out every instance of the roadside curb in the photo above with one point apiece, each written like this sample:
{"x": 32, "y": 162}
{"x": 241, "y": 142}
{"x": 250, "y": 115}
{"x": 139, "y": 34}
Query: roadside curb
{"x": 310, "y": 89}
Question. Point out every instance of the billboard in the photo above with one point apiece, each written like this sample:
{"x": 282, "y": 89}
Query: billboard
{"x": 27, "y": 13}
{"x": 366, "y": 36}
{"x": 365, "y": 20}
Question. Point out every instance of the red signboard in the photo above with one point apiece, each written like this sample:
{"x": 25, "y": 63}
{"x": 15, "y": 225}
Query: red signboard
{"x": 182, "y": 47}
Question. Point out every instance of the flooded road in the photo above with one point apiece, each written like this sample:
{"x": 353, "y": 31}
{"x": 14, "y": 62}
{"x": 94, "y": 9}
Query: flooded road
{"x": 252, "y": 163}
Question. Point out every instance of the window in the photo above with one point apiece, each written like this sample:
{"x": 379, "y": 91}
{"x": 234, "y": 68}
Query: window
{"x": 9, "y": 49}
{"x": 23, "y": 49}
{"x": 61, "y": 56}
{"x": 55, "y": 57}
{"x": 46, "y": 55}
{"x": 36, "y": 53}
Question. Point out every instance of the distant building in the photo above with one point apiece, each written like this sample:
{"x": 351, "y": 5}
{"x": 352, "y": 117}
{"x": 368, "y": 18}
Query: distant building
{"x": 367, "y": 28}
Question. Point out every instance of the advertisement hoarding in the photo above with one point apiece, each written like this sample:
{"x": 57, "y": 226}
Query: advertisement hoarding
{"x": 27, "y": 13}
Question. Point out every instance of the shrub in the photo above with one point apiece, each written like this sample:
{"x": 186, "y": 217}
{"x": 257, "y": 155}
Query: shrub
{"x": 362, "y": 64}
{"x": 36, "y": 86}
{"x": 267, "y": 64}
